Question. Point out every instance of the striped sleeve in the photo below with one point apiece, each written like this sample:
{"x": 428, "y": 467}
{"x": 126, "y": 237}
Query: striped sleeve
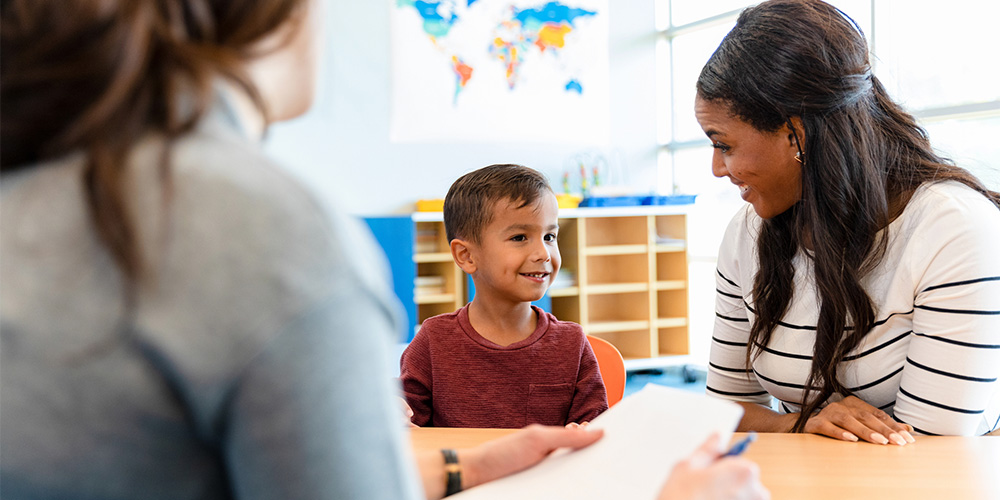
{"x": 728, "y": 376}
{"x": 950, "y": 382}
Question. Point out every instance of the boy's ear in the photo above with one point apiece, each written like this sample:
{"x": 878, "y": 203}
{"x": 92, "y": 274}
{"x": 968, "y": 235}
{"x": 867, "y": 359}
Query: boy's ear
{"x": 461, "y": 251}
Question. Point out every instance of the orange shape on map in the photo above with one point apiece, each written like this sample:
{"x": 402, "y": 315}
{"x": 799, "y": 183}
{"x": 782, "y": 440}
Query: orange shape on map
{"x": 464, "y": 70}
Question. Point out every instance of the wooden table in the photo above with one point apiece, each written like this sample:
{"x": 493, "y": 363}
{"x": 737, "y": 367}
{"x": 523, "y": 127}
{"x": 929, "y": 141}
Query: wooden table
{"x": 802, "y": 466}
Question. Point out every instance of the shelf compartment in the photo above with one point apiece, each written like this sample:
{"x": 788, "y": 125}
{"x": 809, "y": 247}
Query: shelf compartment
{"x": 671, "y": 266}
{"x": 632, "y": 344}
{"x": 448, "y": 270}
{"x": 569, "y": 238}
{"x": 670, "y": 229}
{"x": 566, "y": 308}
{"x": 672, "y": 304}
{"x": 672, "y": 341}
{"x": 613, "y": 231}
{"x": 606, "y": 269}
{"x": 619, "y": 308}
{"x": 430, "y": 238}
{"x": 433, "y": 309}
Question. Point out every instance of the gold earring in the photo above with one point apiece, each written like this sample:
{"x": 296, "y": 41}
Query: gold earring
{"x": 798, "y": 157}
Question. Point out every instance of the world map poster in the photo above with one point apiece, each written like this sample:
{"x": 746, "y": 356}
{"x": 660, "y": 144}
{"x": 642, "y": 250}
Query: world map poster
{"x": 500, "y": 71}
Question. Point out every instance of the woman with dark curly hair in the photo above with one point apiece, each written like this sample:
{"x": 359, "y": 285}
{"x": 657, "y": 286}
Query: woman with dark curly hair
{"x": 862, "y": 290}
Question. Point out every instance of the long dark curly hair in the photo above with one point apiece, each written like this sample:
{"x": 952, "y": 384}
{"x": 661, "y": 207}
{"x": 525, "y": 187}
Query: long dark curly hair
{"x": 863, "y": 158}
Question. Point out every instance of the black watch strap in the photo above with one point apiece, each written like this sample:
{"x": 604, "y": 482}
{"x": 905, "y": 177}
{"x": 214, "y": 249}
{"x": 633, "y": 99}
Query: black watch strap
{"x": 453, "y": 470}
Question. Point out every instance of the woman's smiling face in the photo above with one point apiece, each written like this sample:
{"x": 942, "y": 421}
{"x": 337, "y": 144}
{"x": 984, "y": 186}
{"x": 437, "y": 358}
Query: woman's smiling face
{"x": 762, "y": 164}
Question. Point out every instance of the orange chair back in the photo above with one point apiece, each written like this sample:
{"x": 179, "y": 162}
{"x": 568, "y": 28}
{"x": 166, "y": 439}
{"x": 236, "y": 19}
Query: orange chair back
{"x": 612, "y": 367}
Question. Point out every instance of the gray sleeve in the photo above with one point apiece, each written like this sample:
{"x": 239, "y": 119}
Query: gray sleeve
{"x": 315, "y": 415}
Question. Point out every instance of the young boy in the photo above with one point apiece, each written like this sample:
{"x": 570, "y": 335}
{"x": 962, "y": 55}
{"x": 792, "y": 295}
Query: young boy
{"x": 499, "y": 361}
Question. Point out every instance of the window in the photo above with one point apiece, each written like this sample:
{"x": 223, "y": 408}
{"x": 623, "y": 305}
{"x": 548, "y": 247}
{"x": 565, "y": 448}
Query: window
{"x": 935, "y": 58}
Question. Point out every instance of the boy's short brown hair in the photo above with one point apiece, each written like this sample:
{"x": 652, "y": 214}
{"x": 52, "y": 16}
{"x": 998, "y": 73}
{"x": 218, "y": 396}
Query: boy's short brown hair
{"x": 468, "y": 207}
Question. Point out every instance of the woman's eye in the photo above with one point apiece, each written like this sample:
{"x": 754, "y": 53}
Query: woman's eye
{"x": 721, "y": 147}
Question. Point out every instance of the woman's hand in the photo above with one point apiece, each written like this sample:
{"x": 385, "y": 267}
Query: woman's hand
{"x": 503, "y": 456}
{"x": 407, "y": 413}
{"x": 852, "y": 419}
{"x": 520, "y": 450}
{"x": 703, "y": 476}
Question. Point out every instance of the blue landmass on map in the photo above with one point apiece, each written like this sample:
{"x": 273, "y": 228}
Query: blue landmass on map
{"x": 552, "y": 12}
{"x": 574, "y": 86}
{"x": 435, "y": 24}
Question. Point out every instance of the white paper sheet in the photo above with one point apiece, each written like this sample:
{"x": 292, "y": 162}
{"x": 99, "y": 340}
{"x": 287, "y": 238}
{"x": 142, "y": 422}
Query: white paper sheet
{"x": 644, "y": 436}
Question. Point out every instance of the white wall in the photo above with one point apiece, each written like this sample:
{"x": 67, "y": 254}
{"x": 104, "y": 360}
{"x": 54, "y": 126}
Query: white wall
{"x": 341, "y": 147}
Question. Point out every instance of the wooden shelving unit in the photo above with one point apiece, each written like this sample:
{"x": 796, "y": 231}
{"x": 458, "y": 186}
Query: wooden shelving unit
{"x": 439, "y": 286}
{"x": 629, "y": 276}
{"x": 631, "y": 269}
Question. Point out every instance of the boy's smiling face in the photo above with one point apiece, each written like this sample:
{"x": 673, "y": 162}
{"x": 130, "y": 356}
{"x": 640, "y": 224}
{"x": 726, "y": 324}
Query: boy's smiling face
{"x": 517, "y": 255}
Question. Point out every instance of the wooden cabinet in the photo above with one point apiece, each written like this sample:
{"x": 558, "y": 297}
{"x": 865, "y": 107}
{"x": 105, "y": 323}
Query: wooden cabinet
{"x": 624, "y": 277}
{"x": 439, "y": 285}
{"x": 631, "y": 285}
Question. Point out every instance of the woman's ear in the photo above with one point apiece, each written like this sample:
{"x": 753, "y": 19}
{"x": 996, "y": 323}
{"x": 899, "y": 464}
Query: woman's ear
{"x": 461, "y": 251}
{"x": 795, "y": 132}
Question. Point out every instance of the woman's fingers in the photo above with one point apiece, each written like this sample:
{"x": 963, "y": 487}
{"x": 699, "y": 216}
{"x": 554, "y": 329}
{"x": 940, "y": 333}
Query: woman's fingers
{"x": 902, "y": 429}
{"x": 879, "y": 421}
{"x": 892, "y": 431}
{"x": 827, "y": 428}
{"x": 853, "y": 420}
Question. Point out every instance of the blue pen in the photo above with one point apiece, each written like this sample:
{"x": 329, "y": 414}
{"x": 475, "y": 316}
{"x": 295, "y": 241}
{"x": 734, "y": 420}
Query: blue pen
{"x": 740, "y": 446}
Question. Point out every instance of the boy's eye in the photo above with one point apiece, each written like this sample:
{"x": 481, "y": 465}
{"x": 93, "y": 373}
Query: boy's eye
{"x": 519, "y": 237}
{"x": 550, "y": 237}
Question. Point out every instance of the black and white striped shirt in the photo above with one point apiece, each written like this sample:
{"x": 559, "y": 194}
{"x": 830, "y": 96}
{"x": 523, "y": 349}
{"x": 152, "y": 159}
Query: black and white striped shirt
{"x": 933, "y": 358}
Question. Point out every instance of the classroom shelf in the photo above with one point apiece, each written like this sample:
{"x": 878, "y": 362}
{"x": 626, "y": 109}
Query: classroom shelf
{"x": 420, "y": 258}
{"x": 670, "y": 285}
{"x": 569, "y": 291}
{"x": 434, "y": 298}
{"x": 617, "y": 250}
{"x": 597, "y": 327}
{"x": 671, "y": 322}
{"x": 610, "y": 288}
{"x": 625, "y": 277}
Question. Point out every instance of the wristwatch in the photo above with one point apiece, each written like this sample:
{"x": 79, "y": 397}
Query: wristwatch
{"x": 453, "y": 470}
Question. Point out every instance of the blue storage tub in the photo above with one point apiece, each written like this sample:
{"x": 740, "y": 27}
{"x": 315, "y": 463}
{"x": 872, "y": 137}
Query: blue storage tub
{"x": 673, "y": 199}
{"x": 612, "y": 201}
{"x": 632, "y": 201}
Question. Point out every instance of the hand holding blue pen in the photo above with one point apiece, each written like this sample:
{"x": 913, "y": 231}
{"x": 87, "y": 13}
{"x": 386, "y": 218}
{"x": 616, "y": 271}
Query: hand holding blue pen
{"x": 740, "y": 446}
{"x": 705, "y": 474}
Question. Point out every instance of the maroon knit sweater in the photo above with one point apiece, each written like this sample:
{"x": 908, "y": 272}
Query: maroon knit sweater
{"x": 453, "y": 377}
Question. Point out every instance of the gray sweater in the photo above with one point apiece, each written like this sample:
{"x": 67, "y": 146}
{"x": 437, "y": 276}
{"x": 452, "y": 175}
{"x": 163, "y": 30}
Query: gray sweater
{"x": 254, "y": 365}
